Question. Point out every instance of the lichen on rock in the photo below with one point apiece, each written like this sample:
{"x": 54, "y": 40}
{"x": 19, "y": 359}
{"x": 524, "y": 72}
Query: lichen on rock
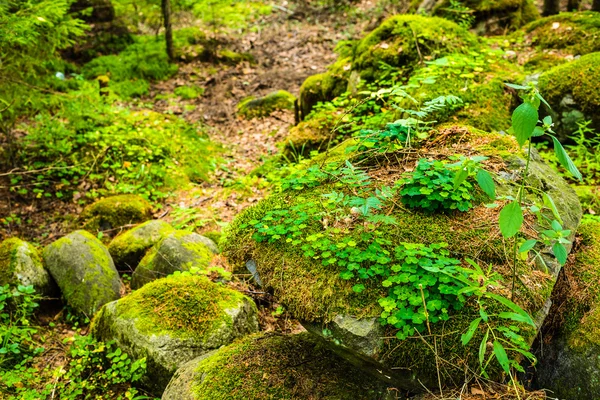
{"x": 84, "y": 271}
{"x": 20, "y": 264}
{"x": 272, "y": 366}
{"x": 128, "y": 248}
{"x": 173, "y": 320}
{"x": 178, "y": 251}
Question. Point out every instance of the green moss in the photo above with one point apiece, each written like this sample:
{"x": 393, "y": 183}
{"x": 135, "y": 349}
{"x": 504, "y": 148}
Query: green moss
{"x": 280, "y": 367}
{"x": 575, "y": 33}
{"x": 8, "y": 258}
{"x": 319, "y": 293}
{"x": 188, "y": 92}
{"x": 84, "y": 271}
{"x": 252, "y": 107}
{"x": 324, "y": 87}
{"x": 178, "y": 251}
{"x": 233, "y": 58}
{"x": 405, "y": 41}
{"x": 116, "y": 211}
{"x": 182, "y": 306}
{"x": 308, "y": 135}
{"x": 580, "y": 79}
{"x": 501, "y": 13}
{"x": 128, "y": 248}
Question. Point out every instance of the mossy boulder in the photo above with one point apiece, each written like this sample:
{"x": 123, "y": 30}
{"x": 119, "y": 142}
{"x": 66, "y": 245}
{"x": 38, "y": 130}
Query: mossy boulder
{"x": 564, "y": 34}
{"x": 492, "y": 16}
{"x": 178, "y": 251}
{"x": 406, "y": 41}
{"x": 252, "y": 107}
{"x": 174, "y": 320}
{"x": 84, "y": 271}
{"x": 402, "y": 42}
{"x": 115, "y": 212}
{"x": 273, "y": 366}
{"x": 569, "y": 363}
{"x": 20, "y": 264}
{"x": 573, "y": 92}
{"x": 129, "y": 247}
{"x": 310, "y": 134}
{"x": 325, "y": 86}
{"x": 310, "y": 285}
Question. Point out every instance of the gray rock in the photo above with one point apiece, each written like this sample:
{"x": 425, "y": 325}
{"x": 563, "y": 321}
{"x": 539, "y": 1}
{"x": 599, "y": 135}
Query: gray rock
{"x": 128, "y": 248}
{"x": 84, "y": 271}
{"x": 20, "y": 264}
{"x": 178, "y": 251}
{"x": 174, "y": 320}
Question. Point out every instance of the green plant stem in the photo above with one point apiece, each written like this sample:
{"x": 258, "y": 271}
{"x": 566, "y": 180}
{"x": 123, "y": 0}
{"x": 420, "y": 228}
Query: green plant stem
{"x": 520, "y": 200}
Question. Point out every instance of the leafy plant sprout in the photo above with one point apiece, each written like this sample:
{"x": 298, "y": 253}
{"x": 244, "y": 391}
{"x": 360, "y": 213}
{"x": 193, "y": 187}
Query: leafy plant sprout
{"x": 525, "y": 125}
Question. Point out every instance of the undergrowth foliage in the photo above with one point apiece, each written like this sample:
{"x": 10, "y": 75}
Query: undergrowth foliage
{"x": 99, "y": 148}
{"x": 94, "y": 368}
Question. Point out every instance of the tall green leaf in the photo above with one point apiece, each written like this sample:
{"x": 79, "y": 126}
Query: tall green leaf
{"x": 466, "y": 337}
{"x": 483, "y": 348}
{"x": 511, "y": 219}
{"x": 511, "y": 305}
{"x": 486, "y": 183}
{"x": 501, "y": 356}
{"x": 524, "y": 120}
{"x": 564, "y": 159}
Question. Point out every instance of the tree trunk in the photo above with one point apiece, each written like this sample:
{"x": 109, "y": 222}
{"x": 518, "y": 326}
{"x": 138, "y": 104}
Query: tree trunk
{"x": 551, "y": 7}
{"x": 573, "y": 5}
{"x": 596, "y": 5}
{"x": 166, "y": 10}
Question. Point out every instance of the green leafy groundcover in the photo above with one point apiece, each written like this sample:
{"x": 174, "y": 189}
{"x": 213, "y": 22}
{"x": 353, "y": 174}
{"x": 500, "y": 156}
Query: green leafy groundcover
{"x": 109, "y": 149}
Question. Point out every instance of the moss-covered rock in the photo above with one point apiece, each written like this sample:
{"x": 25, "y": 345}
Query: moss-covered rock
{"x": 405, "y": 41}
{"x": 308, "y": 135}
{"x": 494, "y": 16}
{"x": 20, "y": 264}
{"x": 325, "y": 86}
{"x": 84, "y": 271}
{"x": 400, "y": 44}
{"x": 573, "y": 92}
{"x": 569, "y": 364}
{"x": 128, "y": 248}
{"x": 174, "y": 320}
{"x": 572, "y": 33}
{"x": 116, "y": 211}
{"x": 252, "y": 107}
{"x": 272, "y": 367}
{"x": 178, "y": 251}
{"x": 231, "y": 57}
{"x": 313, "y": 291}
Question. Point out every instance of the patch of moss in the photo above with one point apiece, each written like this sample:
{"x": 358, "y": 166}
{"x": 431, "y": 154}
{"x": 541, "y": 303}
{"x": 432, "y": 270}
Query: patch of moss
{"x": 576, "y": 33}
{"x": 8, "y": 256}
{"x": 231, "y": 57}
{"x": 128, "y": 248}
{"x": 580, "y": 79}
{"x": 405, "y": 41}
{"x": 178, "y": 251}
{"x": 116, "y": 211}
{"x": 188, "y": 92}
{"x": 497, "y": 14}
{"x": 252, "y": 107}
{"x": 311, "y": 134}
{"x": 280, "y": 367}
{"x": 325, "y": 86}
{"x": 183, "y": 306}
